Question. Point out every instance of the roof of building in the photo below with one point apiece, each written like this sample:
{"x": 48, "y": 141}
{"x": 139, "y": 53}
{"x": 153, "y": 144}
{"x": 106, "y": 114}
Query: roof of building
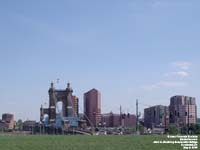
{"x": 92, "y": 90}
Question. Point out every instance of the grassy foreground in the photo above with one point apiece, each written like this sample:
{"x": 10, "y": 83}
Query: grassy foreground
{"x": 84, "y": 143}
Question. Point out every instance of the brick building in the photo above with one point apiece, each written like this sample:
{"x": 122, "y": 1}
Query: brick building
{"x": 183, "y": 110}
{"x": 117, "y": 120}
{"x": 92, "y": 107}
{"x": 7, "y": 121}
{"x": 75, "y": 102}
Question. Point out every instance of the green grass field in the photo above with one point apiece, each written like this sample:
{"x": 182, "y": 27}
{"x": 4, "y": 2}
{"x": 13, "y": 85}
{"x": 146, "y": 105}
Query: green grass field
{"x": 84, "y": 143}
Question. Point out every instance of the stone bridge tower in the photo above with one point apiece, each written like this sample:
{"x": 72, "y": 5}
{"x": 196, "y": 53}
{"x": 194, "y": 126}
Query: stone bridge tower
{"x": 67, "y": 99}
{"x": 52, "y": 104}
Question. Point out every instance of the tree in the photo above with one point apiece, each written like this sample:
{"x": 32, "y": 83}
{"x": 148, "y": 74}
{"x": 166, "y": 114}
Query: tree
{"x": 172, "y": 129}
{"x": 193, "y": 129}
{"x": 19, "y": 125}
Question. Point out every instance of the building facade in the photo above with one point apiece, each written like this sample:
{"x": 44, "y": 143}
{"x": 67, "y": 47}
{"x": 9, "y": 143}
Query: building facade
{"x": 92, "y": 107}
{"x": 110, "y": 120}
{"x": 156, "y": 116}
{"x": 75, "y": 102}
{"x": 183, "y": 110}
{"x": 29, "y": 125}
{"x": 130, "y": 121}
{"x": 117, "y": 120}
{"x": 7, "y": 121}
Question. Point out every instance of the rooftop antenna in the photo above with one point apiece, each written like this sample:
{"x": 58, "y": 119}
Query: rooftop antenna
{"x": 57, "y": 80}
{"x": 45, "y": 104}
{"x": 120, "y": 109}
{"x": 68, "y": 84}
{"x": 137, "y": 116}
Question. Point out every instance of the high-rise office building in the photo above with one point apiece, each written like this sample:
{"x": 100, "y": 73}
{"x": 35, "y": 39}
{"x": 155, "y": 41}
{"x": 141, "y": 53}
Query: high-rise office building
{"x": 183, "y": 110}
{"x": 92, "y": 107}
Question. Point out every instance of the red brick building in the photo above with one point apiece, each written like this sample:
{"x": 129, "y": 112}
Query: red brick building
{"x": 183, "y": 110}
{"x": 75, "y": 106}
{"x": 92, "y": 107}
{"x": 115, "y": 120}
{"x": 8, "y": 121}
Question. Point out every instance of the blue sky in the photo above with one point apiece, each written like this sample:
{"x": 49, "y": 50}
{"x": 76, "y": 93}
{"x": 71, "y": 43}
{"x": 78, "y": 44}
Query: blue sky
{"x": 128, "y": 50}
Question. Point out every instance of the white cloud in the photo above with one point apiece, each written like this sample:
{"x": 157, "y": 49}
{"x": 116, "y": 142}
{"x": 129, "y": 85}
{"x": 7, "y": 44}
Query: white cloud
{"x": 178, "y": 73}
{"x": 183, "y": 72}
{"x": 164, "y": 84}
{"x": 184, "y": 65}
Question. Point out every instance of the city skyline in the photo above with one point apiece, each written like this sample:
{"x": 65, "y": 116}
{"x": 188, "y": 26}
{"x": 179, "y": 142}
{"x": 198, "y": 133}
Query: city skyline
{"x": 146, "y": 50}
